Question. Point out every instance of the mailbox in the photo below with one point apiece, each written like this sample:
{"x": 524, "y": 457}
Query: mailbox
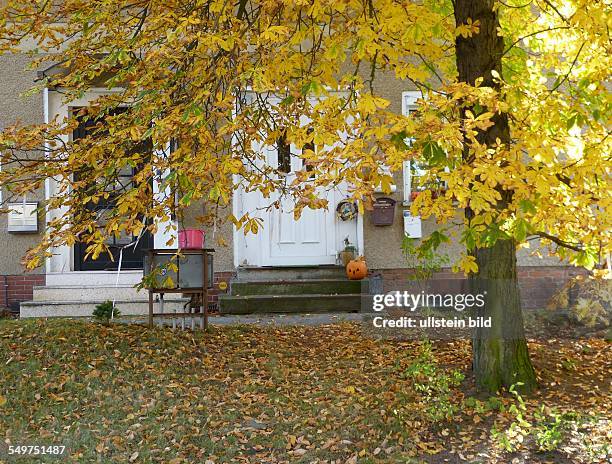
{"x": 23, "y": 217}
{"x": 383, "y": 212}
{"x": 412, "y": 225}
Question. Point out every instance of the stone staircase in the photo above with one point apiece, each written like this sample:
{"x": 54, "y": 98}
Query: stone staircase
{"x": 80, "y": 300}
{"x": 317, "y": 289}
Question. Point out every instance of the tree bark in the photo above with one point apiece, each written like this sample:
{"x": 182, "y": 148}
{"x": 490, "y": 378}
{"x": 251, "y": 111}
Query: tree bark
{"x": 500, "y": 354}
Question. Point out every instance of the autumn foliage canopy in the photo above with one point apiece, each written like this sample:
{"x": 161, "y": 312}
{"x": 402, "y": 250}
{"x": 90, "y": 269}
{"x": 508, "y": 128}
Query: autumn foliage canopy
{"x": 205, "y": 84}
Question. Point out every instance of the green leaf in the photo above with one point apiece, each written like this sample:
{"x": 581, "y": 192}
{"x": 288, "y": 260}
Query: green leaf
{"x": 311, "y": 87}
{"x": 433, "y": 154}
{"x": 186, "y": 199}
{"x": 521, "y": 229}
{"x": 572, "y": 121}
{"x": 214, "y": 193}
{"x": 527, "y": 206}
{"x": 491, "y": 235}
{"x": 586, "y": 259}
{"x": 469, "y": 238}
{"x": 287, "y": 100}
{"x": 399, "y": 140}
{"x": 437, "y": 238}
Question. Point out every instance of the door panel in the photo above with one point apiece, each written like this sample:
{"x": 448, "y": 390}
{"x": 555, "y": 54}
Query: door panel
{"x": 304, "y": 241}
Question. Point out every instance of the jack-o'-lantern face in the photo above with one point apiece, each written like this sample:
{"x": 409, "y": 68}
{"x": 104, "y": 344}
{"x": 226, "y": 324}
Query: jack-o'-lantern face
{"x": 356, "y": 269}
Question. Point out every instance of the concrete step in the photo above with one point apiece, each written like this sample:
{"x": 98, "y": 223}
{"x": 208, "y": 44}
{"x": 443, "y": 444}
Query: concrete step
{"x": 87, "y": 292}
{"x": 307, "y": 303}
{"x": 299, "y": 287}
{"x": 80, "y": 308}
{"x": 290, "y": 273}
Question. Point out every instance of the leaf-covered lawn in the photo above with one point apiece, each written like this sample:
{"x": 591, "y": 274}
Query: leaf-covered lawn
{"x": 297, "y": 395}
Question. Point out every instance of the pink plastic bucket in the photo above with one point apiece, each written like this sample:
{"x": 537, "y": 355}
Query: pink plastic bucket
{"x": 191, "y": 238}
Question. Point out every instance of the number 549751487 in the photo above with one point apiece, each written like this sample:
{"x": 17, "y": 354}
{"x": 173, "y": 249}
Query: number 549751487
{"x": 36, "y": 450}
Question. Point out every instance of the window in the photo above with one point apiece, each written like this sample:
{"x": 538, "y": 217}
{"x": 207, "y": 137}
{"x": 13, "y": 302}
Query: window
{"x": 23, "y": 216}
{"x": 305, "y": 163}
{"x": 284, "y": 156}
{"x": 415, "y": 170}
{"x": 283, "y": 150}
{"x": 118, "y": 181}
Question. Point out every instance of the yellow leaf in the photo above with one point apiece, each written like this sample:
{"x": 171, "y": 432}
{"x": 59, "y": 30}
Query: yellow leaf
{"x": 468, "y": 264}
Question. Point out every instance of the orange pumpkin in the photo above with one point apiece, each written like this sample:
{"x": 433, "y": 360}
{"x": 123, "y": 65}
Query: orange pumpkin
{"x": 356, "y": 269}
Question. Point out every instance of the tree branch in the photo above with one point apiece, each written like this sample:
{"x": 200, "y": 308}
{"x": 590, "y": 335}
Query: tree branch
{"x": 560, "y": 242}
{"x": 531, "y": 35}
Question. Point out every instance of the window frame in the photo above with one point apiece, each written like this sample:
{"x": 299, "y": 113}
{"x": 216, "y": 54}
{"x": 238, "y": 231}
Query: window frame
{"x": 409, "y": 99}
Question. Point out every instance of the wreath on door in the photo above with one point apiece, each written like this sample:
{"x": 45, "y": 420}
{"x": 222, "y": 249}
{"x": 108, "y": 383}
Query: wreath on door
{"x": 346, "y": 210}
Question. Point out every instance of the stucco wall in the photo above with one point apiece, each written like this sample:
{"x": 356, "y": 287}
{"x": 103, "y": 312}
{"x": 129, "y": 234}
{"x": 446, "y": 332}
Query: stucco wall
{"x": 224, "y": 251}
{"x": 221, "y": 239}
{"x": 218, "y": 236}
{"x": 14, "y": 80}
{"x": 383, "y": 243}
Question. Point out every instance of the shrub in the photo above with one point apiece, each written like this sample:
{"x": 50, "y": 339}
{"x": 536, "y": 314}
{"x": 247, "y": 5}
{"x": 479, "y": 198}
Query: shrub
{"x": 106, "y": 311}
{"x": 548, "y": 429}
{"x": 434, "y": 384}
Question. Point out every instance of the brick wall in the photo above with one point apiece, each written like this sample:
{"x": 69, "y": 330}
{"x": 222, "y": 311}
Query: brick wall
{"x": 537, "y": 283}
{"x": 213, "y": 295}
{"x": 18, "y": 288}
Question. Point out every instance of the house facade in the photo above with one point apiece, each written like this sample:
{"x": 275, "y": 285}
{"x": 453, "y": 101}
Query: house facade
{"x": 314, "y": 241}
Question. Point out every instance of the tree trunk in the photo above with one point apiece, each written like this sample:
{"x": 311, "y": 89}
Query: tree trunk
{"x": 500, "y": 355}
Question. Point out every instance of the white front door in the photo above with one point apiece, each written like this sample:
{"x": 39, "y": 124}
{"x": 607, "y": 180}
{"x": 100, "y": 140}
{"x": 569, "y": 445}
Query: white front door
{"x": 315, "y": 238}
{"x": 289, "y": 241}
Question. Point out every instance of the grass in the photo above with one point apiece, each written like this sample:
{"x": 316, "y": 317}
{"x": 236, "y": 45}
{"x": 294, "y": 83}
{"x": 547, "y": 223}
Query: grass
{"x": 126, "y": 393}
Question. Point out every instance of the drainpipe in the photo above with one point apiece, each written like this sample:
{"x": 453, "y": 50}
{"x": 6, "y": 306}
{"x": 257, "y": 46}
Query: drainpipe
{"x": 6, "y": 302}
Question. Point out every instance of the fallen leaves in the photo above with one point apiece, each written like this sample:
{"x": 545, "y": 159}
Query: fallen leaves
{"x": 253, "y": 395}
